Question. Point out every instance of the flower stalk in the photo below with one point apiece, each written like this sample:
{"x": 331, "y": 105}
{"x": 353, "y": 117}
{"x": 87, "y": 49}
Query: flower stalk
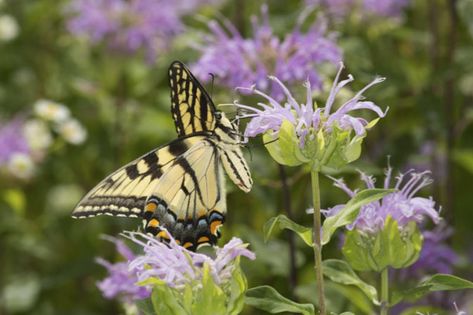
{"x": 385, "y": 291}
{"x": 317, "y": 241}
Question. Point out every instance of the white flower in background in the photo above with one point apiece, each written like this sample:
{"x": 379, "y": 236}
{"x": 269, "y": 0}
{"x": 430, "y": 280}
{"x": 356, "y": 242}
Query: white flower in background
{"x": 8, "y": 28}
{"x": 37, "y": 134}
{"x": 21, "y": 165}
{"x": 51, "y": 111}
{"x": 72, "y": 131}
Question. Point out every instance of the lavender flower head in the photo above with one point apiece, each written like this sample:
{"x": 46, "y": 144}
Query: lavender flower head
{"x": 309, "y": 120}
{"x": 177, "y": 266}
{"x": 403, "y": 205}
{"x": 239, "y": 61}
{"x": 129, "y": 26}
{"x": 121, "y": 280}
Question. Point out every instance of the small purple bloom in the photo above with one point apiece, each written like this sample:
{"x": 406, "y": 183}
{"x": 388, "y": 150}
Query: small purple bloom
{"x": 239, "y": 61}
{"x": 177, "y": 266}
{"x": 403, "y": 205}
{"x": 12, "y": 140}
{"x": 121, "y": 280}
{"x": 307, "y": 118}
{"x": 129, "y": 26}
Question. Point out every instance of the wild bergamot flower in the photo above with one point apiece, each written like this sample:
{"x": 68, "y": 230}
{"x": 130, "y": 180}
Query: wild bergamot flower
{"x": 386, "y": 232}
{"x": 301, "y": 132}
{"x": 242, "y": 61}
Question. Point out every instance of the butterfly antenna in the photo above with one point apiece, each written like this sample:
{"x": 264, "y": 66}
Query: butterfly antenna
{"x": 269, "y": 142}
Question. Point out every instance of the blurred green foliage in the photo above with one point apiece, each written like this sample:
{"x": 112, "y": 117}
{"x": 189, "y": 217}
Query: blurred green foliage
{"x": 47, "y": 259}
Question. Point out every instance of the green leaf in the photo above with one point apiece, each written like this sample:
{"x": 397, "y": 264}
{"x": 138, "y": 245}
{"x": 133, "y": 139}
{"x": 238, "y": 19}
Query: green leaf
{"x": 339, "y": 271}
{"x": 438, "y": 282}
{"x": 284, "y": 222}
{"x": 268, "y": 299}
{"x": 349, "y": 213}
{"x": 390, "y": 247}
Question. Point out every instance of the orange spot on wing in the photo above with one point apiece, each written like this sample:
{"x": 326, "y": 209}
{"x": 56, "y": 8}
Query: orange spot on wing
{"x": 153, "y": 223}
{"x": 214, "y": 226}
{"x": 203, "y": 239}
{"x": 187, "y": 245}
{"x": 151, "y": 207}
{"x": 163, "y": 234}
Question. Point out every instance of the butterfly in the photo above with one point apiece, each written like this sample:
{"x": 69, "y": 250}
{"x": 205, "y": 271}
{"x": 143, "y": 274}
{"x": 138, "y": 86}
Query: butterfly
{"x": 179, "y": 186}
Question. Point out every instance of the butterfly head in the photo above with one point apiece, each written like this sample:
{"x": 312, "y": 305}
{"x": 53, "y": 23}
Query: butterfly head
{"x": 226, "y": 130}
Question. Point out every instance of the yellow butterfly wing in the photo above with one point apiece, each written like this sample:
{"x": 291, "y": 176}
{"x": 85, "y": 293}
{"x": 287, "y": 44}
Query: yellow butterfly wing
{"x": 124, "y": 192}
{"x": 192, "y": 108}
{"x": 189, "y": 200}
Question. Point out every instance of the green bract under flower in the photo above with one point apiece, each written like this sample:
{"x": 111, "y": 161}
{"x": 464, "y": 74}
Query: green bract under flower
{"x": 390, "y": 247}
{"x": 297, "y": 133}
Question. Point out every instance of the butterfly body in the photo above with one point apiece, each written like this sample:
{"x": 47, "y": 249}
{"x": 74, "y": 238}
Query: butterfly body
{"x": 179, "y": 186}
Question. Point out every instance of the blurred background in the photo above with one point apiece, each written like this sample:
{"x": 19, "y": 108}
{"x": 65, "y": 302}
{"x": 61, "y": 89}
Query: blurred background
{"x": 83, "y": 90}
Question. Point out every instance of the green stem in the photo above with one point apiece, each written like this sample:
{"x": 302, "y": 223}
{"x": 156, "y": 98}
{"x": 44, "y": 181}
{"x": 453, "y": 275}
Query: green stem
{"x": 317, "y": 241}
{"x": 385, "y": 291}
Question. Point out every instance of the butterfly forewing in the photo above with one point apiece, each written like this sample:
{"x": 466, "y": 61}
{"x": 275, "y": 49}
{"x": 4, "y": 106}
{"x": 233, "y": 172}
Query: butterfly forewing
{"x": 191, "y": 107}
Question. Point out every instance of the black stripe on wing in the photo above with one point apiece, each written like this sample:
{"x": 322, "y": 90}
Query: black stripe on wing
{"x": 191, "y": 107}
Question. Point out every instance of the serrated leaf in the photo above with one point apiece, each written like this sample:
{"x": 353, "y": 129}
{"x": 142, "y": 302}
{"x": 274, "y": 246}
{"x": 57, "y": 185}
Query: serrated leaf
{"x": 283, "y": 222}
{"x": 438, "y": 282}
{"x": 268, "y": 299}
{"x": 349, "y": 213}
{"x": 339, "y": 271}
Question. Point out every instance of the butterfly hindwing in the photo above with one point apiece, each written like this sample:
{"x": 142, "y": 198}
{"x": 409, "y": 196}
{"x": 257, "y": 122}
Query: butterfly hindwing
{"x": 189, "y": 200}
{"x": 192, "y": 109}
{"x": 124, "y": 192}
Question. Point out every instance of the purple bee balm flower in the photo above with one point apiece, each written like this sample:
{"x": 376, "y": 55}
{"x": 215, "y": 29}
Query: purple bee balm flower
{"x": 307, "y": 118}
{"x": 129, "y": 26}
{"x": 121, "y": 280}
{"x": 12, "y": 140}
{"x": 177, "y": 266}
{"x": 239, "y": 61}
{"x": 403, "y": 205}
